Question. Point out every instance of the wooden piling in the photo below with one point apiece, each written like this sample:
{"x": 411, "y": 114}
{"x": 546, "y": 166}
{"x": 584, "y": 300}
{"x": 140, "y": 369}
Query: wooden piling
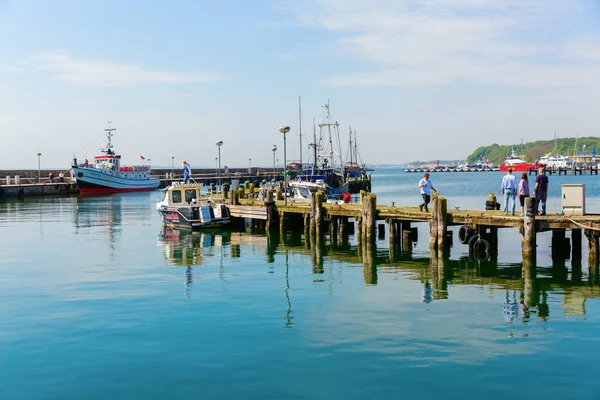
{"x": 320, "y": 212}
{"x": 576, "y": 245}
{"x": 558, "y": 244}
{"x": 391, "y": 232}
{"x": 528, "y": 242}
{"x": 272, "y": 213}
{"x": 433, "y": 224}
{"x": 592, "y": 237}
{"x": 333, "y": 230}
{"x": 442, "y": 224}
{"x": 369, "y": 216}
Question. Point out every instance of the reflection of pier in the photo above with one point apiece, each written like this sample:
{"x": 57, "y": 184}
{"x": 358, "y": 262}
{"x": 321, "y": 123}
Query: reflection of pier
{"x": 478, "y": 228}
{"x": 528, "y": 287}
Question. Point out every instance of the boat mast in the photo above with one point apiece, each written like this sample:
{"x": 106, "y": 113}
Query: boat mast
{"x": 300, "y": 125}
{"x": 109, "y": 134}
{"x": 350, "y": 145}
{"x": 355, "y": 147}
{"x": 314, "y": 145}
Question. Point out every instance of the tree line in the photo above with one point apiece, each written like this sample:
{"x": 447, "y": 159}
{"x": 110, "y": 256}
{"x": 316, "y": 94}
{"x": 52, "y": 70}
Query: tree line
{"x": 532, "y": 151}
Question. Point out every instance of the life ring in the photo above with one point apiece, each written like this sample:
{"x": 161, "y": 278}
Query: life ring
{"x": 479, "y": 248}
{"x": 346, "y": 197}
{"x": 464, "y": 234}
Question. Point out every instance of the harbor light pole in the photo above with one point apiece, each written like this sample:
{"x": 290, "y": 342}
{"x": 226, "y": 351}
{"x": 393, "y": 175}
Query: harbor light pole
{"x": 274, "y": 150}
{"x": 219, "y": 143}
{"x": 39, "y": 167}
{"x": 172, "y": 166}
{"x": 284, "y": 129}
{"x": 250, "y": 166}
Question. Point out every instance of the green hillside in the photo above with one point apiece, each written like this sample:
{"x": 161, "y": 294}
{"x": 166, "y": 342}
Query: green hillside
{"x": 532, "y": 151}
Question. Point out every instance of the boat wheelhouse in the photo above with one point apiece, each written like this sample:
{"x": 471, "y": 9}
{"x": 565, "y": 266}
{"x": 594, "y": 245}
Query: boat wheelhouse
{"x": 181, "y": 206}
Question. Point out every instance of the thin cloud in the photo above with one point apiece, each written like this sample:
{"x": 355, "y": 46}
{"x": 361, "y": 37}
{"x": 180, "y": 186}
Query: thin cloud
{"x": 434, "y": 42}
{"x": 65, "y": 67}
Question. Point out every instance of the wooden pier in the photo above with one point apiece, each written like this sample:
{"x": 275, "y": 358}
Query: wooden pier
{"x": 478, "y": 229}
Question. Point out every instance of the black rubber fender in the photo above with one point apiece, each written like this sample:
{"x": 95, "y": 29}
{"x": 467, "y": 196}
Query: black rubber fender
{"x": 479, "y": 248}
{"x": 465, "y": 233}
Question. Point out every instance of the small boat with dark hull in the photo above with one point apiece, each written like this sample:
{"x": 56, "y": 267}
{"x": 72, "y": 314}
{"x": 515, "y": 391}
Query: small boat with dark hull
{"x": 181, "y": 206}
{"x": 106, "y": 174}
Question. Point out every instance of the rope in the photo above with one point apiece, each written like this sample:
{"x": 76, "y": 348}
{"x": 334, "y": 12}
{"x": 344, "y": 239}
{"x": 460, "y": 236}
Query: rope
{"x": 89, "y": 144}
{"x": 583, "y": 226}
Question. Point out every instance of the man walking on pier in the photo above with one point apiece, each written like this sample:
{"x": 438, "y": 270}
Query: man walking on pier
{"x": 187, "y": 171}
{"x": 509, "y": 189}
{"x": 426, "y": 188}
{"x": 540, "y": 191}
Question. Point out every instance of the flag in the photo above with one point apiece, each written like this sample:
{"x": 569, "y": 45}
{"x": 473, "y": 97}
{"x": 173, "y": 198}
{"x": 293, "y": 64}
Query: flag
{"x": 142, "y": 157}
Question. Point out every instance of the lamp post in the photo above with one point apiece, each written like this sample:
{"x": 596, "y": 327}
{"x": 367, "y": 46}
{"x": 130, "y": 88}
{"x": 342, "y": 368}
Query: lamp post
{"x": 219, "y": 143}
{"x": 250, "y": 166}
{"x": 284, "y": 129}
{"x": 274, "y": 149}
{"x": 172, "y": 166}
{"x": 39, "y": 167}
{"x": 216, "y": 168}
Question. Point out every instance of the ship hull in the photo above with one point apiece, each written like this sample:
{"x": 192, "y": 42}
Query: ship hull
{"x": 519, "y": 167}
{"x": 96, "y": 181}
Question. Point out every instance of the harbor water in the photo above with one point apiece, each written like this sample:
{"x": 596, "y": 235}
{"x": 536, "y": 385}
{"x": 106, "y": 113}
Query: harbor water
{"x": 98, "y": 301}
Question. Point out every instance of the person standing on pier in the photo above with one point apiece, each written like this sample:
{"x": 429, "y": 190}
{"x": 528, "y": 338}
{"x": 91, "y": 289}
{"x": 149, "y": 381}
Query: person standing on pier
{"x": 540, "y": 191}
{"x": 509, "y": 189}
{"x": 187, "y": 171}
{"x": 426, "y": 188}
{"x": 523, "y": 190}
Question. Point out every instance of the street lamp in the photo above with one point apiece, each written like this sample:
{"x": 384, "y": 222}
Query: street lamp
{"x": 39, "y": 167}
{"x": 284, "y": 129}
{"x": 172, "y": 166}
{"x": 250, "y": 166}
{"x": 274, "y": 149}
{"x": 219, "y": 143}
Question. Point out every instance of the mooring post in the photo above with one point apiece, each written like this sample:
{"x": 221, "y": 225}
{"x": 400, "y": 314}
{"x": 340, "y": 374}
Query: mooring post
{"x": 306, "y": 218}
{"x": 343, "y": 228}
{"x": 319, "y": 212}
{"x": 272, "y": 213}
{"x": 369, "y": 265}
{"x": 433, "y": 223}
{"x": 528, "y": 242}
{"x": 442, "y": 224}
{"x": 369, "y": 216}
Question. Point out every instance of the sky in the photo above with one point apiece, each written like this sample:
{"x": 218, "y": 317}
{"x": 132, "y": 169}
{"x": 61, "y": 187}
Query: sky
{"x": 417, "y": 80}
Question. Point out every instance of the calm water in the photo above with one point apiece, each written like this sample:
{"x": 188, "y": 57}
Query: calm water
{"x": 97, "y": 302}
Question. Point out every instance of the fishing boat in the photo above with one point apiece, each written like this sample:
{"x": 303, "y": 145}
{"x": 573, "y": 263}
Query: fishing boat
{"x": 327, "y": 164}
{"x": 517, "y": 163}
{"x": 181, "y": 206}
{"x": 554, "y": 161}
{"x": 303, "y": 191}
{"x": 106, "y": 174}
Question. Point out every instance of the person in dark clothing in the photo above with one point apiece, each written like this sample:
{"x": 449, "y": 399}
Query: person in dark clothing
{"x": 540, "y": 191}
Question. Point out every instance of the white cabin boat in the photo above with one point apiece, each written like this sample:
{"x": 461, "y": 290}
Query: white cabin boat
{"x": 181, "y": 206}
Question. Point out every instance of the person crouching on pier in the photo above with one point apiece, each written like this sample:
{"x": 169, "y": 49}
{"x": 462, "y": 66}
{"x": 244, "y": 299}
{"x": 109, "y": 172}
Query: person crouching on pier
{"x": 426, "y": 188}
{"x": 509, "y": 189}
{"x": 523, "y": 190}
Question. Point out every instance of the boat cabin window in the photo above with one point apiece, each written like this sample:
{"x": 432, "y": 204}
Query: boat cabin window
{"x": 176, "y": 196}
{"x": 303, "y": 192}
{"x": 190, "y": 194}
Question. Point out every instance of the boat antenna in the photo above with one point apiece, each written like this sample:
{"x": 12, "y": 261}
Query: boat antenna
{"x": 300, "y": 125}
{"x": 109, "y": 134}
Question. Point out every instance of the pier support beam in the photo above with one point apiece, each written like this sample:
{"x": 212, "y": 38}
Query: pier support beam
{"x": 528, "y": 242}
{"x": 576, "y": 246}
{"x": 272, "y": 214}
{"x": 592, "y": 237}
{"x": 406, "y": 236}
{"x": 333, "y": 230}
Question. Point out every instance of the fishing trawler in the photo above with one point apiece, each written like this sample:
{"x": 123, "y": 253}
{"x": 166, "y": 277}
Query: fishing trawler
{"x": 106, "y": 174}
{"x": 181, "y": 206}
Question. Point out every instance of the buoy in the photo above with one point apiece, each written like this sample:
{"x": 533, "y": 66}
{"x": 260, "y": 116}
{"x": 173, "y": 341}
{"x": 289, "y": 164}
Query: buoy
{"x": 346, "y": 197}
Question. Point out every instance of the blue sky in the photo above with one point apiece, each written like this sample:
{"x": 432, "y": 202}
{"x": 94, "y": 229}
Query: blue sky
{"x": 432, "y": 79}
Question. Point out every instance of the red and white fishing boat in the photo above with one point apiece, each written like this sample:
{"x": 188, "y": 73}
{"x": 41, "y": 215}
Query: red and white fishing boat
{"x": 106, "y": 174}
{"x": 517, "y": 163}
